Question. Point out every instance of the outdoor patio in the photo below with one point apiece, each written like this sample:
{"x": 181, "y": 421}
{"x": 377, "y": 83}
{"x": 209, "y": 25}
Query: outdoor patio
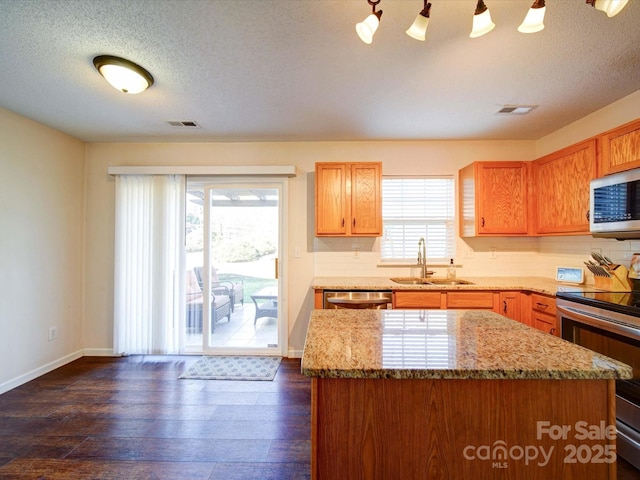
{"x": 240, "y": 332}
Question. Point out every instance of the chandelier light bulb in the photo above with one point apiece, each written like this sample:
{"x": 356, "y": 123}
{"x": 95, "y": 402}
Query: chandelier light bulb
{"x": 534, "y": 21}
{"x": 367, "y": 28}
{"x": 418, "y": 29}
{"x": 611, "y": 7}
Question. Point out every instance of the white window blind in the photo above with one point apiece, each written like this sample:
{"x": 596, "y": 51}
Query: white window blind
{"x": 414, "y": 208}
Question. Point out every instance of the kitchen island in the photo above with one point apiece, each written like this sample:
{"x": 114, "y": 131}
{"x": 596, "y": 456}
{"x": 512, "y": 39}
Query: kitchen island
{"x": 441, "y": 394}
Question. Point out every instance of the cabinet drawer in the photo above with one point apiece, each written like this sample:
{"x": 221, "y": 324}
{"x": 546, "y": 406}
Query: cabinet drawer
{"x": 416, "y": 300}
{"x": 542, "y": 303}
{"x": 470, "y": 300}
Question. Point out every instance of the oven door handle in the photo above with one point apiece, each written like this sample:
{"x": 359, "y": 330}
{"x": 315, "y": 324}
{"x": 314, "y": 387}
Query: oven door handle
{"x": 604, "y": 324}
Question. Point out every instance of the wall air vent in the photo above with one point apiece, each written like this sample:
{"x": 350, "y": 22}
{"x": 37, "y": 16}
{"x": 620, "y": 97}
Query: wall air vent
{"x": 515, "y": 109}
{"x": 183, "y": 124}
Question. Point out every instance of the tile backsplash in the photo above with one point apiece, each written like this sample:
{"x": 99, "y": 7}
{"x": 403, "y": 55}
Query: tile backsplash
{"x": 495, "y": 256}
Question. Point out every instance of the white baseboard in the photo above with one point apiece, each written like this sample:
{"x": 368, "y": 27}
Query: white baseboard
{"x": 33, "y": 374}
{"x": 294, "y": 353}
{"x": 99, "y": 352}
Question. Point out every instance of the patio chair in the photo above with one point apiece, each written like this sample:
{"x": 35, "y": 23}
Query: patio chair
{"x": 220, "y": 305}
{"x": 235, "y": 285}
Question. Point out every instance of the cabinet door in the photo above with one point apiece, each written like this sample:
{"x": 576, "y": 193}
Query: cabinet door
{"x": 510, "y": 305}
{"x": 621, "y": 148}
{"x": 545, "y": 322}
{"x": 366, "y": 199}
{"x": 561, "y": 182}
{"x": 501, "y": 198}
{"x": 332, "y": 214}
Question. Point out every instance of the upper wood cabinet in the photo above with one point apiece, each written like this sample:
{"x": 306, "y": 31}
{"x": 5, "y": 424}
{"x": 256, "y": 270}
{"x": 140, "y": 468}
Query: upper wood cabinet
{"x": 493, "y": 199}
{"x": 348, "y": 199}
{"x": 621, "y": 148}
{"x": 561, "y": 189}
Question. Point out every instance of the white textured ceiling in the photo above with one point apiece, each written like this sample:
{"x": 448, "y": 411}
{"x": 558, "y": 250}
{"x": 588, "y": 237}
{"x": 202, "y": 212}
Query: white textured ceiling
{"x": 254, "y": 70}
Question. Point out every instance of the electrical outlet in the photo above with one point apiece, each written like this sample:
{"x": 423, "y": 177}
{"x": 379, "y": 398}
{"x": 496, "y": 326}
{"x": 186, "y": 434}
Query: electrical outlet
{"x": 297, "y": 253}
{"x": 356, "y": 253}
{"x": 493, "y": 253}
{"x": 53, "y": 333}
{"x": 468, "y": 253}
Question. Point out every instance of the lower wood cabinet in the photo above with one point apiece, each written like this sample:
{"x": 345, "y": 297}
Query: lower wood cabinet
{"x": 445, "y": 299}
{"x": 472, "y": 300}
{"x": 533, "y": 309}
{"x": 417, "y": 299}
{"x": 544, "y": 322}
{"x": 509, "y": 305}
{"x": 543, "y": 313}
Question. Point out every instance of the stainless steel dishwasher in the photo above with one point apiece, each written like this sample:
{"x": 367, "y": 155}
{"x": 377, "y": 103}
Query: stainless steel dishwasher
{"x": 359, "y": 299}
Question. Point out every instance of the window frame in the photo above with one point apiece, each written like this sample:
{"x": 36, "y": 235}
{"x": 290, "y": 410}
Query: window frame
{"x": 446, "y": 218}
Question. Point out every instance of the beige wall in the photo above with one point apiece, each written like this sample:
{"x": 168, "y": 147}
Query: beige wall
{"x": 498, "y": 256}
{"x": 399, "y": 158}
{"x": 41, "y": 248}
{"x": 43, "y": 179}
{"x": 618, "y": 113}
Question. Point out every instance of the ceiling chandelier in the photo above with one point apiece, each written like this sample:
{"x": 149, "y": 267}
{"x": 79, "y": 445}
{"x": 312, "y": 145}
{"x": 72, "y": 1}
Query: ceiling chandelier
{"x": 482, "y": 23}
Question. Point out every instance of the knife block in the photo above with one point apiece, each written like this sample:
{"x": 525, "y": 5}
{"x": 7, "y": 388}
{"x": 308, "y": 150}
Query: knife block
{"x": 617, "y": 282}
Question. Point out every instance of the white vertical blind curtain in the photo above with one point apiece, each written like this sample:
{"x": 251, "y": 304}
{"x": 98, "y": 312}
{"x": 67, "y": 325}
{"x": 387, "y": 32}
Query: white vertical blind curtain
{"x": 149, "y": 290}
{"x": 414, "y": 208}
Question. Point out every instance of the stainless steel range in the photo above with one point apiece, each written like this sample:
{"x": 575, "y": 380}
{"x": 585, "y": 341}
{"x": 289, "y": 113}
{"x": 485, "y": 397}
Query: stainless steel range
{"x": 609, "y": 323}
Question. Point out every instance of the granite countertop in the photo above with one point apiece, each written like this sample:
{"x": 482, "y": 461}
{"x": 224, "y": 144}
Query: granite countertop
{"x": 443, "y": 344}
{"x": 541, "y": 285}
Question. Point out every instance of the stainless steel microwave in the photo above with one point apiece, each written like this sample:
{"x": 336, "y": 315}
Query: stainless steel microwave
{"x": 615, "y": 205}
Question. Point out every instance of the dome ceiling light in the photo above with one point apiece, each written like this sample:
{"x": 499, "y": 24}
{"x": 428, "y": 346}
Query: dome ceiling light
{"x": 122, "y": 74}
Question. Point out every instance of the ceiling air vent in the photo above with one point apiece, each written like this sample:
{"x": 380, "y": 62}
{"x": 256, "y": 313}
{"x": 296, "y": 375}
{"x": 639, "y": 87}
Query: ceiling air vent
{"x": 185, "y": 124}
{"x": 515, "y": 109}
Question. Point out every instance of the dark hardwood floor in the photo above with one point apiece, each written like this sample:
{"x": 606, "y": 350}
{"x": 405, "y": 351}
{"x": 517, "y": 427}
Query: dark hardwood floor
{"x": 131, "y": 418}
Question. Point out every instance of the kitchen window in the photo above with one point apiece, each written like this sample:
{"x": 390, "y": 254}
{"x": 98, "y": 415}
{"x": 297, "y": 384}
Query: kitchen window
{"x": 414, "y": 208}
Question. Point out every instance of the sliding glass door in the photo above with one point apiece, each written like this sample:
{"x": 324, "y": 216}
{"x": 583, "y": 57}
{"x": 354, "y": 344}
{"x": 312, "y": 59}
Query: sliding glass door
{"x": 233, "y": 273}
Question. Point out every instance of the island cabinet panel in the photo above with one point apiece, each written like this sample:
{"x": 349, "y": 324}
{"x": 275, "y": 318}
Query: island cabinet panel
{"x": 443, "y": 429}
{"x": 417, "y": 299}
{"x": 472, "y": 300}
{"x": 348, "y": 199}
{"x": 621, "y": 148}
{"x": 561, "y": 193}
{"x": 493, "y": 199}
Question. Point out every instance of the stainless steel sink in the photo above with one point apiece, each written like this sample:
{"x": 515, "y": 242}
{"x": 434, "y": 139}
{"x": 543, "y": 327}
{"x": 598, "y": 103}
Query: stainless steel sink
{"x": 410, "y": 280}
{"x": 428, "y": 281}
{"x": 446, "y": 281}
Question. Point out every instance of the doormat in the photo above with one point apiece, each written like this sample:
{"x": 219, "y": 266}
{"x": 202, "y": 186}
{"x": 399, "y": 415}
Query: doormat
{"x": 233, "y": 368}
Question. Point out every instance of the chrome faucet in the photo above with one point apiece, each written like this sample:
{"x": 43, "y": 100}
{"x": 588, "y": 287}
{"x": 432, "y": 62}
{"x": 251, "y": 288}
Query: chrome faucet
{"x": 422, "y": 257}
